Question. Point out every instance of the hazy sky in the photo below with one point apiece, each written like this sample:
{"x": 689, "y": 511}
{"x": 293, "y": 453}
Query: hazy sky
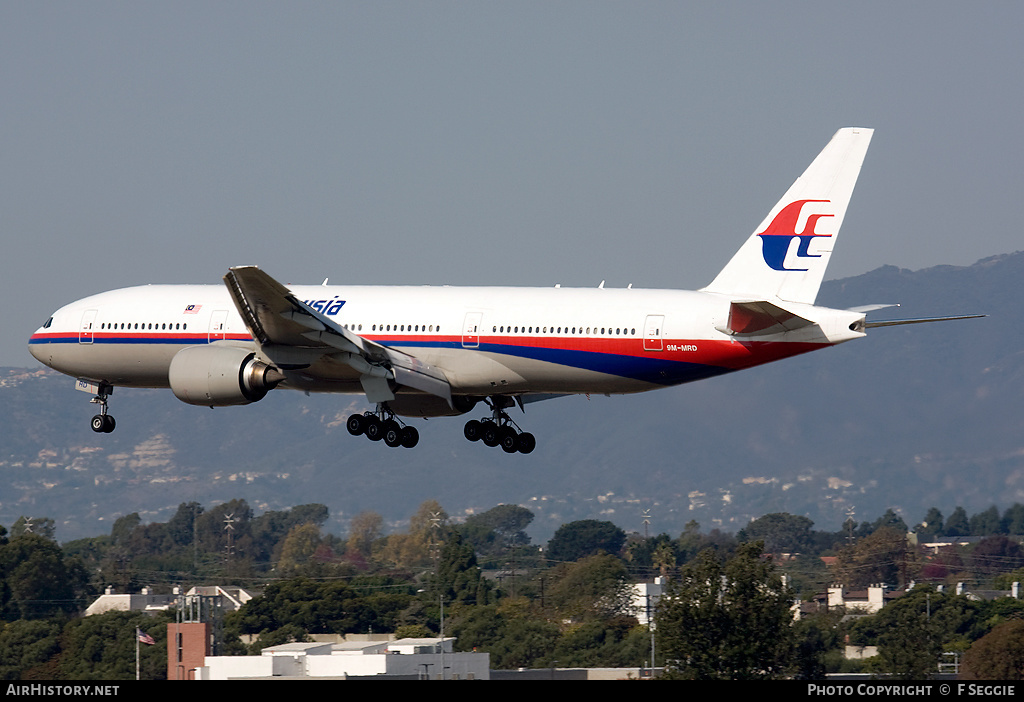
{"x": 522, "y": 143}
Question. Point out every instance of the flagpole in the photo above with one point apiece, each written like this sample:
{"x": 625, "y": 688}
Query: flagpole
{"x": 137, "y": 653}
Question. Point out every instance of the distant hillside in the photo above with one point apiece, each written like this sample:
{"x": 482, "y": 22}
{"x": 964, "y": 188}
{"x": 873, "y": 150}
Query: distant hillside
{"x": 911, "y": 417}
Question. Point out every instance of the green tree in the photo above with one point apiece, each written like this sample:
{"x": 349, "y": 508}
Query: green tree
{"x": 102, "y": 647}
{"x": 364, "y": 530}
{"x": 416, "y": 548}
{"x": 321, "y": 607}
{"x": 915, "y": 629}
{"x": 585, "y": 537}
{"x": 996, "y": 554}
{"x": 1013, "y": 520}
{"x": 655, "y": 555}
{"x": 594, "y": 587}
{"x": 999, "y": 655}
{"x": 298, "y": 549}
{"x": 958, "y": 524}
{"x": 458, "y": 579}
{"x": 40, "y": 526}
{"x": 727, "y": 620}
{"x": 890, "y": 520}
{"x": 881, "y": 557}
{"x": 815, "y": 635}
{"x": 26, "y": 646}
{"x": 38, "y": 582}
{"x": 123, "y": 527}
{"x": 614, "y": 642}
{"x": 692, "y": 541}
{"x": 932, "y": 525}
{"x": 780, "y": 532}
{"x": 986, "y": 523}
{"x": 910, "y": 644}
{"x": 498, "y": 532}
{"x": 512, "y": 633}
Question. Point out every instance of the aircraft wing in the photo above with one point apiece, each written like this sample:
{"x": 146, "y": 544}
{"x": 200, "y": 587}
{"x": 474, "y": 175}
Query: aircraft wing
{"x": 279, "y": 321}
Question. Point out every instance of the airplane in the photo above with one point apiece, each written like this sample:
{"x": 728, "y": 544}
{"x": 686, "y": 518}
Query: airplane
{"x": 427, "y": 351}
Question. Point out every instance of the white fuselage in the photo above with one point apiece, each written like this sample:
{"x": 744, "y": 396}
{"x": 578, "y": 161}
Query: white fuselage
{"x": 510, "y": 341}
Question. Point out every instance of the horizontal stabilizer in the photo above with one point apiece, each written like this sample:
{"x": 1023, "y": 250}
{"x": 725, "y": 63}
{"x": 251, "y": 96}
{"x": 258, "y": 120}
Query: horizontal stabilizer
{"x": 898, "y": 322}
{"x": 762, "y": 317}
{"x": 871, "y": 308}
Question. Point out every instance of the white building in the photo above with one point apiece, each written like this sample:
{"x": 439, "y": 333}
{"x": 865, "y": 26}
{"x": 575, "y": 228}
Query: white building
{"x": 869, "y": 601}
{"x": 644, "y": 599}
{"x": 232, "y": 598}
{"x": 145, "y": 601}
{"x": 408, "y": 658}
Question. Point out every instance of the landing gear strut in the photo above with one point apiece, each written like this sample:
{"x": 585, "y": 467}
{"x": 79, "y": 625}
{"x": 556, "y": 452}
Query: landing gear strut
{"x": 382, "y": 424}
{"x": 499, "y": 429}
{"x": 102, "y": 423}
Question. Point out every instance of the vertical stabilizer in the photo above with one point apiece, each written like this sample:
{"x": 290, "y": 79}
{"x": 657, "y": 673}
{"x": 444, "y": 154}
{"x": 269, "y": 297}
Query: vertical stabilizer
{"x": 785, "y": 258}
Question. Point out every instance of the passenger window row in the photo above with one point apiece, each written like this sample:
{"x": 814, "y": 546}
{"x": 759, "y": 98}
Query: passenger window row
{"x": 401, "y": 327}
{"x": 585, "y": 331}
{"x": 143, "y": 326}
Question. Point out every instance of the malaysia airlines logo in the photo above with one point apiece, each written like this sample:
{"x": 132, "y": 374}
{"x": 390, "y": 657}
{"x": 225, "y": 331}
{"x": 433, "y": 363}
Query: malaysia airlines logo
{"x": 328, "y": 307}
{"x": 777, "y": 237}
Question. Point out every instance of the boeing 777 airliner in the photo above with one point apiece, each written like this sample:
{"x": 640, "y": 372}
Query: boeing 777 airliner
{"x": 429, "y": 351}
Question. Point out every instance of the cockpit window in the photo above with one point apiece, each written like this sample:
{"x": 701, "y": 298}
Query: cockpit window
{"x": 48, "y": 323}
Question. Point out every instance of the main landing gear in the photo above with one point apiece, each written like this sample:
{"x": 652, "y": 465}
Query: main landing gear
{"x": 381, "y": 424}
{"x": 102, "y": 423}
{"x": 500, "y": 430}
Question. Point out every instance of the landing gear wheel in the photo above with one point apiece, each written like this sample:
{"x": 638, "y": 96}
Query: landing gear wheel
{"x": 527, "y": 442}
{"x": 499, "y": 429}
{"x": 490, "y": 434}
{"x": 383, "y": 424}
{"x": 410, "y": 437}
{"x": 392, "y": 433}
{"x": 356, "y": 424}
{"x": 474, "y": 430}
{"x": 374, "y": 429}
{"x": 103, "y": 424}
{"x": 509, "y": 439}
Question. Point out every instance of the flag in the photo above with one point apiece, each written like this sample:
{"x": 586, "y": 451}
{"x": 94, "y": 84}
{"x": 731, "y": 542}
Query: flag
{"x": 143, "y": 637}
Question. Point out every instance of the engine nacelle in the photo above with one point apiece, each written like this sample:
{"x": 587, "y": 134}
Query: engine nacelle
{"x": 417, "y": 405}
{"x": 220, "y": 376}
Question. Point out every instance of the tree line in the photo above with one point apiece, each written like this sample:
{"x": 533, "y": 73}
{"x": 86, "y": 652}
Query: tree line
{"x": 566, "y": 604}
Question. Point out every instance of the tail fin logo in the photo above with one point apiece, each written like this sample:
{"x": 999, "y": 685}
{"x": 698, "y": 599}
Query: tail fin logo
{"x": 777, "y": 237}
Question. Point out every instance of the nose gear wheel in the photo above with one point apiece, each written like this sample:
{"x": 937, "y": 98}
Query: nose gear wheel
{"x": 103, "y": 423}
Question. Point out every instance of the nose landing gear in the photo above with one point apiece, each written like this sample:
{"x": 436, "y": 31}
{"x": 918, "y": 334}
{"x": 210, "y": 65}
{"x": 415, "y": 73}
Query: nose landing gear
{"x": 102, "y": 423}
{"x": 382, "y": 425}
{"x": 500, "y": 430}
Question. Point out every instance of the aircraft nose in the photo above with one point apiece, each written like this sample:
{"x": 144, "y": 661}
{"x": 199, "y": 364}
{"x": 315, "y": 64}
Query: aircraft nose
{"x": 38, "y": 350}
